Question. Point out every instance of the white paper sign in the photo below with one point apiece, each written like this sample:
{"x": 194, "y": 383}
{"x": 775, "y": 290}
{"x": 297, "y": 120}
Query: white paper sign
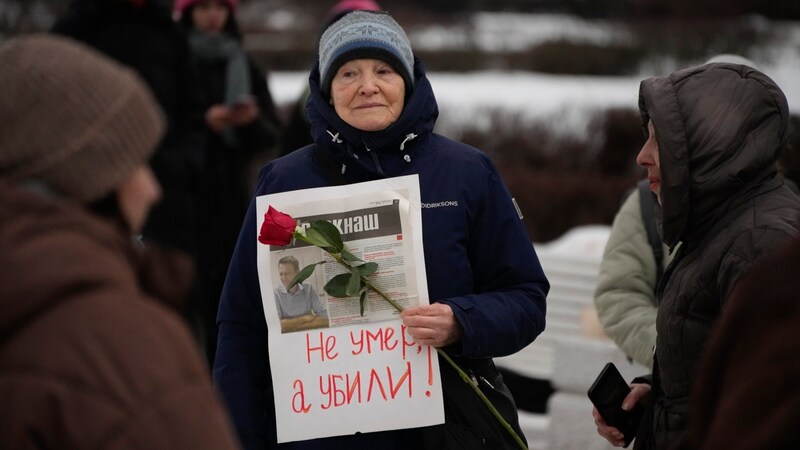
{"x": 352, "y": 372}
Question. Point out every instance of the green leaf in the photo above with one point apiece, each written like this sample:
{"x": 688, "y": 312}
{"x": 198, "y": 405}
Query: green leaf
{"x": 303, "y": 274}
{"x": 325, "y": 235}
{"x": 352, "y": 259}
{"x": 354, "y": 283}
{"x": 362, "y": 300}
{"x": 367, "y": 269}
{"x": 337, "y": 286}
{"x": 313, "y": 237}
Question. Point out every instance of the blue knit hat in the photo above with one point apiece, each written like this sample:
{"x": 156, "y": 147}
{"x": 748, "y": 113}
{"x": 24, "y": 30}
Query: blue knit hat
{"x": 369, "y": 35}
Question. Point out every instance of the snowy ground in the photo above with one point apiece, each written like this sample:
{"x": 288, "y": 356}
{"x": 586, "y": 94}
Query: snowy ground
{"x": 564, "y": 101}
{"x": 462, "y": 97}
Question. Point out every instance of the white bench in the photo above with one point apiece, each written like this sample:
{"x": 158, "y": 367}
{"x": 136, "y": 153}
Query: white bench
{"x": 563, "y": 353}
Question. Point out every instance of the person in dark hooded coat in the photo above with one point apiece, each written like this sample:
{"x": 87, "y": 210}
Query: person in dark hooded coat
{"x": 745, "y": 393}
{"x": 373, "y": 111}
{"x": 715, "y": 133}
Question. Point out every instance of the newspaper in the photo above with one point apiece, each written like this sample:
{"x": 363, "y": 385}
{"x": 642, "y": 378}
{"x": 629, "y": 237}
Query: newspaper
{"x": 334, "y": 370}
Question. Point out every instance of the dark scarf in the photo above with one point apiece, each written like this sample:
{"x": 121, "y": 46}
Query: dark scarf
{"x": 221, "y": 47}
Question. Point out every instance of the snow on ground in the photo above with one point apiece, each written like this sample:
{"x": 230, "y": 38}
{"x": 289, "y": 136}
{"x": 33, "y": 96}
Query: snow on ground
{"x": 466, "y": 98}
{"x": 515, "y": 32}
{"x": 565, "y": 102}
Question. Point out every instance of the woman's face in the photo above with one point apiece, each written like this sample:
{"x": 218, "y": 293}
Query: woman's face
{"x": 210, "y": 16}
{"x": 648, "y": 158}
{"x": 368, "y": 94}
{"x": 137, "y": 195}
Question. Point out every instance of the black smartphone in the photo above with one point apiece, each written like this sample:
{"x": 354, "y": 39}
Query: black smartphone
{"x": 607, "y": 393}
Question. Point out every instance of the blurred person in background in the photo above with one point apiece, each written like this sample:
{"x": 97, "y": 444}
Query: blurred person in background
{"x": 90, "y": 355}
{"x": 373, "y": 112}
{"x": 714, "y": 132}
{"x": 745, "y": 393}
{"x": 297, "y": 133}
{"x": 241, "y": 128}
{"x": 633, "y": 263}
{"x": 142, "y": 35}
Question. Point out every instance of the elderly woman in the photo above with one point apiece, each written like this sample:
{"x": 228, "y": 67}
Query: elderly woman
{"x": 714, "y": 134}
{"x": 373, "y": 112}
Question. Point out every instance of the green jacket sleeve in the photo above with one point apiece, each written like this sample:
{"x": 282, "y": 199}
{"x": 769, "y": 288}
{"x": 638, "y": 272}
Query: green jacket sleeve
{"x": 625, "y": 292}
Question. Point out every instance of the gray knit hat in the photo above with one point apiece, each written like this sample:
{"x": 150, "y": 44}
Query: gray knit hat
{"x": 72, "y": 118}
{"x": 365, "y": 34}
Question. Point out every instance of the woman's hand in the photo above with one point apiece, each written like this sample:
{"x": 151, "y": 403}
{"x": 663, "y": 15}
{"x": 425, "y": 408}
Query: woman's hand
{"x": 433, "y": 325}
{"x": 244, "y": 113}
{"x": 638, "y": 394}
{"x": 218, "y": 117}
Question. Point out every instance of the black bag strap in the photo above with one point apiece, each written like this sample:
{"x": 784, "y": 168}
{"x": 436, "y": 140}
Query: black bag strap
{"x": 649, "y": 219}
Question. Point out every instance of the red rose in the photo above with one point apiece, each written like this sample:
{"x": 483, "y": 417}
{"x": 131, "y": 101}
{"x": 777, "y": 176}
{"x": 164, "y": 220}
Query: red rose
{"x": 277, "y": 229}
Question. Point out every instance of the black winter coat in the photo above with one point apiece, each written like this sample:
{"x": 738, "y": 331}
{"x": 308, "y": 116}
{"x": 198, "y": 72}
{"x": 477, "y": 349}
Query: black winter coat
{"x": 719, "y": 128}
{"x": 227, "y": 184}
{"x": 148, "y": 40}
{"x": 227, "y": 178}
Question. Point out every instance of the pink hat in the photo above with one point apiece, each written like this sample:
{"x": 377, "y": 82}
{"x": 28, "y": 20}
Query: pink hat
{"x": 181, "y": 5}
{"x": 346, "y": 6}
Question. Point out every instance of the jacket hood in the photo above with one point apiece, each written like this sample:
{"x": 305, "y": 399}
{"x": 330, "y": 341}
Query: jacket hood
{"x": 373, "y": 154}
{"x": 720, "y": 129}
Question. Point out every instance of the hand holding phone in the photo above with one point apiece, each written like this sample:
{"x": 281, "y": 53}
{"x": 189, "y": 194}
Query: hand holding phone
{"x": 243, "y": 111}
{"x": 243, "y": 101}
{"x": 607, "y": 394}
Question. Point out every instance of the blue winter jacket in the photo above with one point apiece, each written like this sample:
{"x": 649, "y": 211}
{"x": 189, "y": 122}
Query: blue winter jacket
{"x": 478, "y": 256}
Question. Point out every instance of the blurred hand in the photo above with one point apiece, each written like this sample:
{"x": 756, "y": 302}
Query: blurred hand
{"x": 218, "y": 117}
{"x": 244, "y": 113}
{"x": 638, "y": 394}
{"x": 433, "y": 325}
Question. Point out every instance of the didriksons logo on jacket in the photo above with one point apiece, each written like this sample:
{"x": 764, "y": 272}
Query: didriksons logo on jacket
{"x": 442, "y": 204}
{"x": 454, "y": 203}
